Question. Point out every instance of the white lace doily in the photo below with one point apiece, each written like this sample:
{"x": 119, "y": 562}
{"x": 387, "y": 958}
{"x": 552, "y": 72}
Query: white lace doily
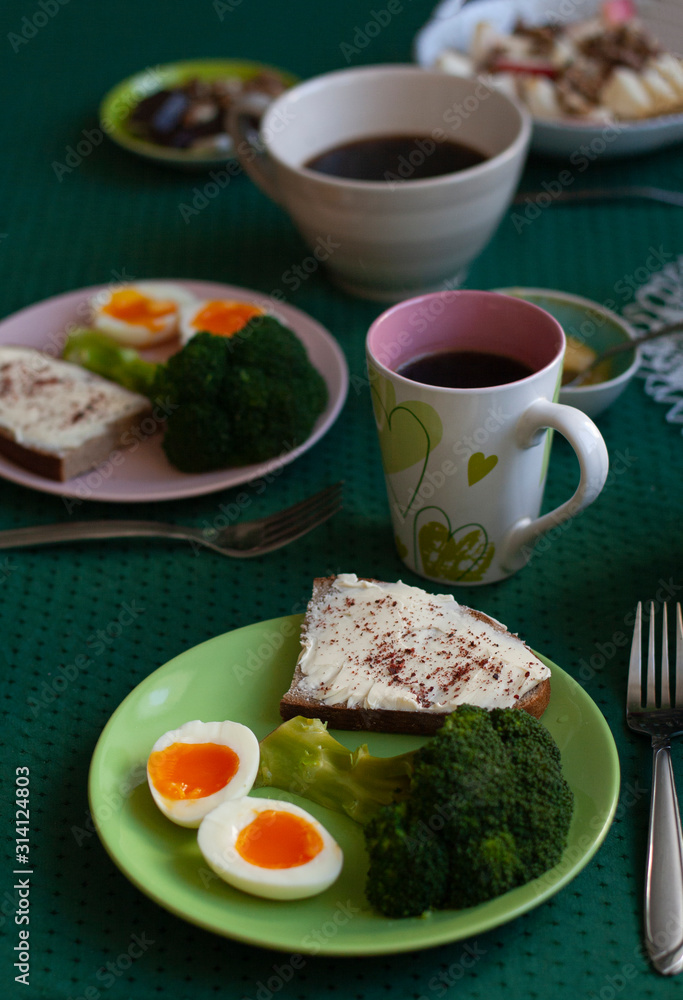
{"x": 658, "y": 302}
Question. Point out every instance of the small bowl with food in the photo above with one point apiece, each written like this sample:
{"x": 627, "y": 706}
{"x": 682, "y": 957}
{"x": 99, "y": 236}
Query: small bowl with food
{"x": 177, "y": 114}
{"x": 603, "y": 77}
{"x": 590, "y": 329}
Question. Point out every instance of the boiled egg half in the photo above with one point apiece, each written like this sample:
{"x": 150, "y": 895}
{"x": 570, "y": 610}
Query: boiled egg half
{"x": 140, "y": 315}
{"x": 269, "y": 848}
{"x": 222, "y": 317}
{"x": 193, "y": 769}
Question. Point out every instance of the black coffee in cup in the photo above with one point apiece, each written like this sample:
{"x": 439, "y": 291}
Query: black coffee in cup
{"x": 465, "y": 369}
{"x": 395, "y": 157}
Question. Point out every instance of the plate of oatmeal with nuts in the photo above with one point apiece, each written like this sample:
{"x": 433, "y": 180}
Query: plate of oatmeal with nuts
{"x": 605, "y": 74}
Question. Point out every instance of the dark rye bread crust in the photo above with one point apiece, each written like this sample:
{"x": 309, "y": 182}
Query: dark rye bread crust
{"x": 74, "y": 461}
{"x": 381, "y": 720}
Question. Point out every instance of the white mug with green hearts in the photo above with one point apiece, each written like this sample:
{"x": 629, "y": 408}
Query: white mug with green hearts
{"x": 464, "y": 387}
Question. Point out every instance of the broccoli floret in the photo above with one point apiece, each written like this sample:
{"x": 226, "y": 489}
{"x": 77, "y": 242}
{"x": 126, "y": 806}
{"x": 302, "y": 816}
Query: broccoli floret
{"x": 499, "y": 866}
{"x": 195, "y": 372}
{"x": 200, "y": 439}
{"x": 406, "y": 874}
{"x": 540, "y": 828}
{"x": 464, "y": 765}
{"x": 240, "y": 399}
{"x": 489, "y": 790}
{"x": 519, "y": 731}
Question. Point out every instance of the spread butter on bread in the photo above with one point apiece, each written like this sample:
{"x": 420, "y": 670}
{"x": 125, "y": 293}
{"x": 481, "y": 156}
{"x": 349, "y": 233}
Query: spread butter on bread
{"x": 59, "y": 420}
{"x": 393, "y": 658}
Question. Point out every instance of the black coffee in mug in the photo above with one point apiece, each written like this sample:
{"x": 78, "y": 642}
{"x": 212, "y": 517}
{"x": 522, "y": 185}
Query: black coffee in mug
{"x": 395, "y": 157}
{"x": 464, "y": 369}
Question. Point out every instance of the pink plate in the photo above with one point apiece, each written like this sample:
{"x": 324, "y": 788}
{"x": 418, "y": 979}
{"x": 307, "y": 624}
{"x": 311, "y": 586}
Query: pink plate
{"x": 145, "y": 474}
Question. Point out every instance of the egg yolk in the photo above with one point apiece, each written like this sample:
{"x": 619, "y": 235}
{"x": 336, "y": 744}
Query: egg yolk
{"x": 192, "y": 770}
{"x": 277, "y": 839}
{"x": 224, "y": 318}
{"x": 131, "y": 307}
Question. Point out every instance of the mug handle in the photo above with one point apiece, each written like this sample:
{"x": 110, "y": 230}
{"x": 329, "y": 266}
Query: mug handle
{"x": 249, "y": 148}
{"x": 591, "y": 451}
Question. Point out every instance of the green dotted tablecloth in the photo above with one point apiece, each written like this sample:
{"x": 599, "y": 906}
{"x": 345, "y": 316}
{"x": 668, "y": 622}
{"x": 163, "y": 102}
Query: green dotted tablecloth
{"x": 82, "y": 625}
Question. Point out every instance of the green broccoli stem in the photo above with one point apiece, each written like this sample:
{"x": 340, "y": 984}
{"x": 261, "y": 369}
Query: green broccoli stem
{"x": 104, "y": 356}
{"x": 302, "y": 758}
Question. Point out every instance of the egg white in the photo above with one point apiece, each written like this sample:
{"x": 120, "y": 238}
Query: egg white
{"x": 188, "y": 312}
{"x": 190, "y": 812}
{"x": 135, "y": 334}
{"x": 217, "y": 837}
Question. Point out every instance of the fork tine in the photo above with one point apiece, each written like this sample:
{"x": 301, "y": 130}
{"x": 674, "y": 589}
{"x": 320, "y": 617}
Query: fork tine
{"x": 650, "y": 699}
{"x": 294, "y": 528}
{"x": 666, "y": 697}
{"x": 301, "y": 508}
{"x": 296, "y": 509}
{"x": 679, "y": 657}
{"x": 302, "y": 512}
{"x": 291, "y": 532}
{"x": 634, "y": 690}
{"x": 663, "y": 905}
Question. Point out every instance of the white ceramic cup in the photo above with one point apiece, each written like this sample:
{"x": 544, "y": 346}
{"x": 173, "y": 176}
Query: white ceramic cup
{"x": 465, "y": 468}
{"x": 393, "y": 238}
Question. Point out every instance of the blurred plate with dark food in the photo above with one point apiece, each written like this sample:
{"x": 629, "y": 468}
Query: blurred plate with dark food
{"x": 177, "y": 113}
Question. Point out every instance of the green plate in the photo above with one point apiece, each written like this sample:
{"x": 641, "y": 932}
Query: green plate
{"x": 120, "y": 101}
{"x": 241, "y": 676}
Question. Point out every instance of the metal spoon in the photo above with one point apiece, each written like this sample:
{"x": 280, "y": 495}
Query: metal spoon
{"x": 626, "y": 345}
{"x": 608, "y": 194}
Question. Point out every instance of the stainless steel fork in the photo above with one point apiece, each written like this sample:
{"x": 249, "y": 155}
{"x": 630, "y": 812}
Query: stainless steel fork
{"x": 247, "y": 538}
{"x": 661, "y": 719}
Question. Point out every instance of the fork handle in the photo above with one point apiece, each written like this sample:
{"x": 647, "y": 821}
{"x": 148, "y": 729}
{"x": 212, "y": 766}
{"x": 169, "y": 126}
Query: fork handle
{"x": 664, "y": 872}
{"x": 74, "y": 531}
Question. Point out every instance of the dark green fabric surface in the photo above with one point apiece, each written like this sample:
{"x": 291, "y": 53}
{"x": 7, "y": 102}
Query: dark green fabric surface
{"x": 115, "y": 215}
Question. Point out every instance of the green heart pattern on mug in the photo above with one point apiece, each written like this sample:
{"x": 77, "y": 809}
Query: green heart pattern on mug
{"x": 408, "y": 432}
{"x": 479, "y": 466}
{"x": 461, "y": 554}
{"x": 400, "y": 547}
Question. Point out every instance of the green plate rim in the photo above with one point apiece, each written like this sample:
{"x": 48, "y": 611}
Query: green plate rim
{"x": 482, "y": 918}
{"x": 117, "y": 103}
